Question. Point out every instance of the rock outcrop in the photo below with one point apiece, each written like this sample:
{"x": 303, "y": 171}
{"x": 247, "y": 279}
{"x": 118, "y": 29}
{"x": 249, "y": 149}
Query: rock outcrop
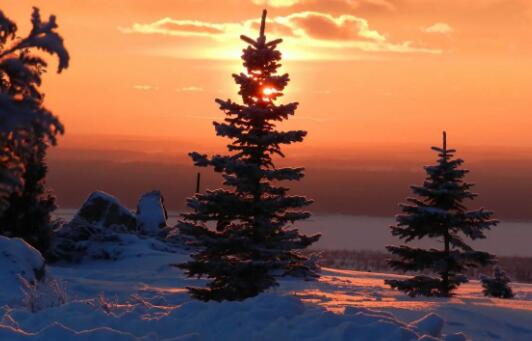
{"x": 94, "y": 230}
{"x": 104, "y": 210}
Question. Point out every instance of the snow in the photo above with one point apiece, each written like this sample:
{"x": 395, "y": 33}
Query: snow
{"x": 142, "y": 296}
{"x": 430, "y": 324}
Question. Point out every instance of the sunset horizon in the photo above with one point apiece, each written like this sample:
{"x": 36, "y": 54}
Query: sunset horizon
{"x": 266, "y": 170}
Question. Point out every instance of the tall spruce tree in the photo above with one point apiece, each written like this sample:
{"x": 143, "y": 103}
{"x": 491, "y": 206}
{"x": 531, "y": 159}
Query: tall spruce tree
{"x": 244, "y": 232}
{"x": 27, "y": 128}
{"x": 439, "y": 212}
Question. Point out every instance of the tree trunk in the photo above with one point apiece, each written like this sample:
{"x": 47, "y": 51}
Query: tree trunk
{"x": 445, "y": 273}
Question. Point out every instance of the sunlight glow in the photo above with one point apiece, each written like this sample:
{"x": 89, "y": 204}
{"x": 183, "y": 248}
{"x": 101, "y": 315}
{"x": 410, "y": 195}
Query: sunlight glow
{"x": 268, "y": 91}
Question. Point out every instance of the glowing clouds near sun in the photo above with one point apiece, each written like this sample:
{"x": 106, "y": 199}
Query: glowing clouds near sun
{"x": 310, "y": 34}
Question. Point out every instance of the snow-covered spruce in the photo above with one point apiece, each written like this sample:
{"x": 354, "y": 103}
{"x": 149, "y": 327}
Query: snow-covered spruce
{"x": 23, "y": 115}
{"x": 252, "y": 238}
{"x": 439, "y": 212}
{"x": 498, "y": 285}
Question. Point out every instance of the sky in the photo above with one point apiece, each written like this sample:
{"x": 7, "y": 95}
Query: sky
{"x": 377, "y": 82}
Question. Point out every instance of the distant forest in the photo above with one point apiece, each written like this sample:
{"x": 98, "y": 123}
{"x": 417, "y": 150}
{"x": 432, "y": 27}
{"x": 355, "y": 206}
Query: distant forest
{"x": 518, "y": 268}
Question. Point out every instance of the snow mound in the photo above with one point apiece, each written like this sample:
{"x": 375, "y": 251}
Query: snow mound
{"x": 18, "y": 260}
{"x": 151, "y": 213}
{"x": 266, "y": 317}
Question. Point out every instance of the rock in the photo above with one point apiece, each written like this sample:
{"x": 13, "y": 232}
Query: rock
{"x": 74, "y": 243}
{"x": 94, "y": 230}
{"x": 103, "y": 210}
{"x": 151, "y": 213}
{"x": 18, "y": 260}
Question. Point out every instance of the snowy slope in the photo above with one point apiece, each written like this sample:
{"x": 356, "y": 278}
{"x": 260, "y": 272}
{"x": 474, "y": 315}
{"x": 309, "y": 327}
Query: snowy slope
{"x": 479, "y": 317}
{"x": 142, "y": 297}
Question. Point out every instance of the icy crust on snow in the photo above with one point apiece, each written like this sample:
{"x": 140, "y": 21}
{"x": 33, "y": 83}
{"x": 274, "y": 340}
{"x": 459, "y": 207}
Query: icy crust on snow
{"x": 266, "y": 317}
{"x": 18, "y": 260}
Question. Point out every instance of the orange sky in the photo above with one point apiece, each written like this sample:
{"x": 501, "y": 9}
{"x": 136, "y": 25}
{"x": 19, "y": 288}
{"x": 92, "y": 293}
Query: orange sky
{"x": 365, "y": 72}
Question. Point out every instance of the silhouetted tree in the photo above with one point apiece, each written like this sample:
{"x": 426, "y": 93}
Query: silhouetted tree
{"x": 250, "y": 239}
{"x": 28, "y": 215}
{"x": 439, "y": 212}
{"x": 497, "y": 286}
{"x": 27, "y": 128}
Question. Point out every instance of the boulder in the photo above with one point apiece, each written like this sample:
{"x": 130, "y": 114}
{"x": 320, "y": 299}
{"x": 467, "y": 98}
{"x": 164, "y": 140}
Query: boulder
{"x": 104, "y": 210}
{"x": 94, "y": 230}
{"x": 151, "y": 213}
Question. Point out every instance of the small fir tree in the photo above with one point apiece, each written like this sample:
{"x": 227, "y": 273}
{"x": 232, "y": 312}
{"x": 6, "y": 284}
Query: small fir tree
{"x": 439, "y": 212}
{"x": 244, "y": 232}
{"x": 497, "y": 286}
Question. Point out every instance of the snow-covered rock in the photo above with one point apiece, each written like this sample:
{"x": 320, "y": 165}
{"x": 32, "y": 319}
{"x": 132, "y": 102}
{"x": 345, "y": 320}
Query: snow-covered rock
{"x": 151, "y": 213}
{"x": 104, "y": 210}
{"x": 94, "y": 230}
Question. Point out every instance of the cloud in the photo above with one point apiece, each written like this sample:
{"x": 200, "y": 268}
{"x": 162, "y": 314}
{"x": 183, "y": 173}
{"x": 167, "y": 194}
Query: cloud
{"x": 190, "y": 89}
{"x": 143, "y": 87}
{"x": 277, "y": 3}
{"x": 170, "y": 26}
{"x": 439, "y": 27}
{"x": 305, "y": 31}
{"x": 321, "y": 26}
{"x": 346, "y": 4}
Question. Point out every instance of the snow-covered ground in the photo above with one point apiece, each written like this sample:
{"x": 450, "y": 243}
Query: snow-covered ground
{"x": 143, "y": 297}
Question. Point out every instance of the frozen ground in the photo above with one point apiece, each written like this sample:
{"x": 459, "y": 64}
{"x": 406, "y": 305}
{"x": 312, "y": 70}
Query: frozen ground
{"x": 142, "y": 297}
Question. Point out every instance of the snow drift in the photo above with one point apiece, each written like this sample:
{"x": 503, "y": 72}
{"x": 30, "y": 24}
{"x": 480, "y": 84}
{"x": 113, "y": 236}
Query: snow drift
{"x": 24, "y": 277}
{"x": 266, "y": 317}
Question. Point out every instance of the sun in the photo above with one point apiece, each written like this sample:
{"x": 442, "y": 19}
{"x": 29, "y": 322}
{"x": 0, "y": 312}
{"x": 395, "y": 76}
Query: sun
{"x": 268, "y": 91}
